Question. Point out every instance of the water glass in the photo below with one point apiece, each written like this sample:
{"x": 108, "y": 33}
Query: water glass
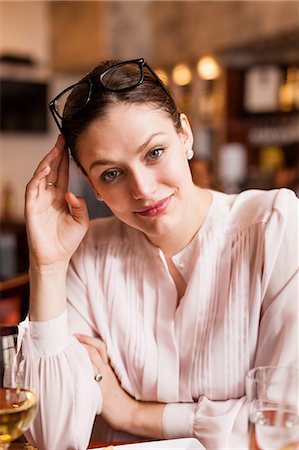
{"x": 272, "y": 394}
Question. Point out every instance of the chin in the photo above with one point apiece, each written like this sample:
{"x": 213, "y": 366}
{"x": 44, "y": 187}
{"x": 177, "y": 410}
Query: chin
{"x": 161, "y": 228}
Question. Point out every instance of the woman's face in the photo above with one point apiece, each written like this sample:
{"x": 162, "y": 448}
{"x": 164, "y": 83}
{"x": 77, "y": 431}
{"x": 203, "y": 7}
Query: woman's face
{"x": 136, "y": 160}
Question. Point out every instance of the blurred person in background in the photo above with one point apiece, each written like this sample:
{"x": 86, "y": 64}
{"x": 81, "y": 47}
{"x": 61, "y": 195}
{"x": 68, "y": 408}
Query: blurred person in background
{"x": 149, "y": 318}
{"x": 288, "y": 177}
{"x": 203, "y": 174}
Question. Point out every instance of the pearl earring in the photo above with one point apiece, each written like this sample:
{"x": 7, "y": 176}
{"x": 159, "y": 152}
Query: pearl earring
{"x": 99, "y": 198}
{"x": 189, "y": 154}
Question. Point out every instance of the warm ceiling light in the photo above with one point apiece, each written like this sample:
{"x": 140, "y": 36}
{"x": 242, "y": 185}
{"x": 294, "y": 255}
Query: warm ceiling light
{"x": 181, "y": 75}
{"x": 208, "y": 68}
{"x": 162, "y": 75}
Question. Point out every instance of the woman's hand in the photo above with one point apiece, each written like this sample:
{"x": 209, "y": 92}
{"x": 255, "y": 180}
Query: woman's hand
{"x": 120, "y": 410}
{"x": 118, "y": 406}
{"x": 54, "y": 232}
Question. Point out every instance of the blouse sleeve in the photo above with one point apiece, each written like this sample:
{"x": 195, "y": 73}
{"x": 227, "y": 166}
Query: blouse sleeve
{"x": 69, "y": 397}
{"x": 223, "y": 424}
{"x": 278, "y": 333}
{"x": 216, "y": 424}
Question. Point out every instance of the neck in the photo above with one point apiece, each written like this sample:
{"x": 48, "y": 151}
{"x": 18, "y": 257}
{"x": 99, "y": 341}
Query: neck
{"x": 180, "y": 237}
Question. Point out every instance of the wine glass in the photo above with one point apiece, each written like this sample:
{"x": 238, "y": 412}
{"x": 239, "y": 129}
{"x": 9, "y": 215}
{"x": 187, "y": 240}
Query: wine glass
{"x": 18, "y": 403}
{"x": 272, "y": 395}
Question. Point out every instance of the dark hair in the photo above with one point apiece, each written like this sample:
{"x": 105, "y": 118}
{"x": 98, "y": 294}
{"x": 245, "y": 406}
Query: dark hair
{"x": 150, "y": 91}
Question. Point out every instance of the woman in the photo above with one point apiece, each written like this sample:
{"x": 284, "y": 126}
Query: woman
{"x": 174, "y": 298}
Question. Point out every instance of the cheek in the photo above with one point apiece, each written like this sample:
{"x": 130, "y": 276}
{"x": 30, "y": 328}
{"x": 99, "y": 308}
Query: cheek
{"x": 177, "y": 171}
{"x": 118, "y": 200}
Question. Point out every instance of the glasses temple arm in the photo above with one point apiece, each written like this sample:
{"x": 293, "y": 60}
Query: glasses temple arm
{"x": 52, "y": 111}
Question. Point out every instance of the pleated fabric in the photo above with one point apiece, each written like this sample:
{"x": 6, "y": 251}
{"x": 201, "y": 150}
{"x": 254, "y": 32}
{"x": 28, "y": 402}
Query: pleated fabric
{"x": 241, "y": 298}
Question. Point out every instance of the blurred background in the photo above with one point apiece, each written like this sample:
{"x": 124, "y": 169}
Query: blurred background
{"x": 233, "y": 67}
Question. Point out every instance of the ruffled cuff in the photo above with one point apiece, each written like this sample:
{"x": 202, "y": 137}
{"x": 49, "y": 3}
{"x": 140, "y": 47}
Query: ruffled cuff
{"x": 44, "y": 338}
{"x": 178, "y": 420}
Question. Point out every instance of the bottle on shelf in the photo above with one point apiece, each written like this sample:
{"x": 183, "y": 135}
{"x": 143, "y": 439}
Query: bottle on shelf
{"x": 288, "y": 91}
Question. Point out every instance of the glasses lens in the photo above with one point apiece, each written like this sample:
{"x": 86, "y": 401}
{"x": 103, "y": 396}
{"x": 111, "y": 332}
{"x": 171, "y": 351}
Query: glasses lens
{"x": 72, "y": 100}
{"x": 122, "y": 76}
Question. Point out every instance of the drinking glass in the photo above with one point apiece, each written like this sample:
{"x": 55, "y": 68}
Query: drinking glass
{"x": 272, "y": 394}
{"x": 18, "y": 402}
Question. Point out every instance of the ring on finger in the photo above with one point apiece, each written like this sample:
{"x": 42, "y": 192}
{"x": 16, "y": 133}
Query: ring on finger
{"x": 98, "y": 377}
{"x": 51, "y": 184}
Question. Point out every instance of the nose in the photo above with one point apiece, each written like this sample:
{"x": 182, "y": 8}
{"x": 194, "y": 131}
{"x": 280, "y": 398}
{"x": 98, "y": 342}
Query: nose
{"x": 143, "y": 183}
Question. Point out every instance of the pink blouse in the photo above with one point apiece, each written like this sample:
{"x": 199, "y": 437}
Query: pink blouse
{"x": 240, "y": 310}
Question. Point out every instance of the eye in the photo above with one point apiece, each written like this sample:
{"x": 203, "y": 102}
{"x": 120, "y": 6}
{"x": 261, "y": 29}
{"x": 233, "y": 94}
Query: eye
{"x": 110, "y": 175}
{"x": 155, "y": 154}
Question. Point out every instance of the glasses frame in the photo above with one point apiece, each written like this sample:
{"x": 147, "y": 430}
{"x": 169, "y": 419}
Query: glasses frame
{"x": 139, "y": 62}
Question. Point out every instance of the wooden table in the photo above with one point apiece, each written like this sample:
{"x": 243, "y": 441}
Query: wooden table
{"x": 26, "y": 446}
{"x": 106, "y": 444}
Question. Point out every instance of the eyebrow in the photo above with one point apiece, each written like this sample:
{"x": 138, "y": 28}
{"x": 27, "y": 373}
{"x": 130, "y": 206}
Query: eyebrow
{"x": 107, "y": 162}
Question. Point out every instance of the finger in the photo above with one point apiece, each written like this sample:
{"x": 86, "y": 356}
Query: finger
{"x": 34, "y": 184}
{"x": 96, "y": 343}
{"x": 99, "y": 366}
{"x": 95, "y": 358}
{"x": 79, "y": 208}
{"x": 62, "y": 176}
{"x": 43, "y": 170}
{"x": 56, "y": 162}
{"x": 50, "y": 157}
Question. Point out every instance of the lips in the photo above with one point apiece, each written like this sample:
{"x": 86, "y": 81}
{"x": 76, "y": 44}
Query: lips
{"x": 154, "y": 209}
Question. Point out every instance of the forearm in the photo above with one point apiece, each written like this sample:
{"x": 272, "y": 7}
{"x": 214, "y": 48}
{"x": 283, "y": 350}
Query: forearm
{"x": 199, "y": 419}
{"x": 146, "y": 420}
{"x": 47, "y": 292}
{"x": 121, "y": 411}
{"x": 64, "y": 381}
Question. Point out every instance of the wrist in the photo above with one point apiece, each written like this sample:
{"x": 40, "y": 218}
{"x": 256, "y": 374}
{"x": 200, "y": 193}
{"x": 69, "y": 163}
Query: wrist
{"x": 129, "y": 426}
{"x": 146, "y": 419}
{"x": 47, "y": 291}
{"x": 48, "y": 270}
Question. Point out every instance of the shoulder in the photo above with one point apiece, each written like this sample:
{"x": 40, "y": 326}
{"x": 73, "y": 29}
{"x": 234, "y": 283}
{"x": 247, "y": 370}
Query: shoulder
{"x": 259, "y": 206}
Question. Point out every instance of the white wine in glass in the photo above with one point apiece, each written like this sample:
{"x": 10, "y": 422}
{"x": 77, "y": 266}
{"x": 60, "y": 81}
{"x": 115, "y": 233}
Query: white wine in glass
{"x": 18, "y": 403}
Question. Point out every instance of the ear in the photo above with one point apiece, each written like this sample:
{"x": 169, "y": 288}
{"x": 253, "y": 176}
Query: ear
{"x": 186, "y": 132}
